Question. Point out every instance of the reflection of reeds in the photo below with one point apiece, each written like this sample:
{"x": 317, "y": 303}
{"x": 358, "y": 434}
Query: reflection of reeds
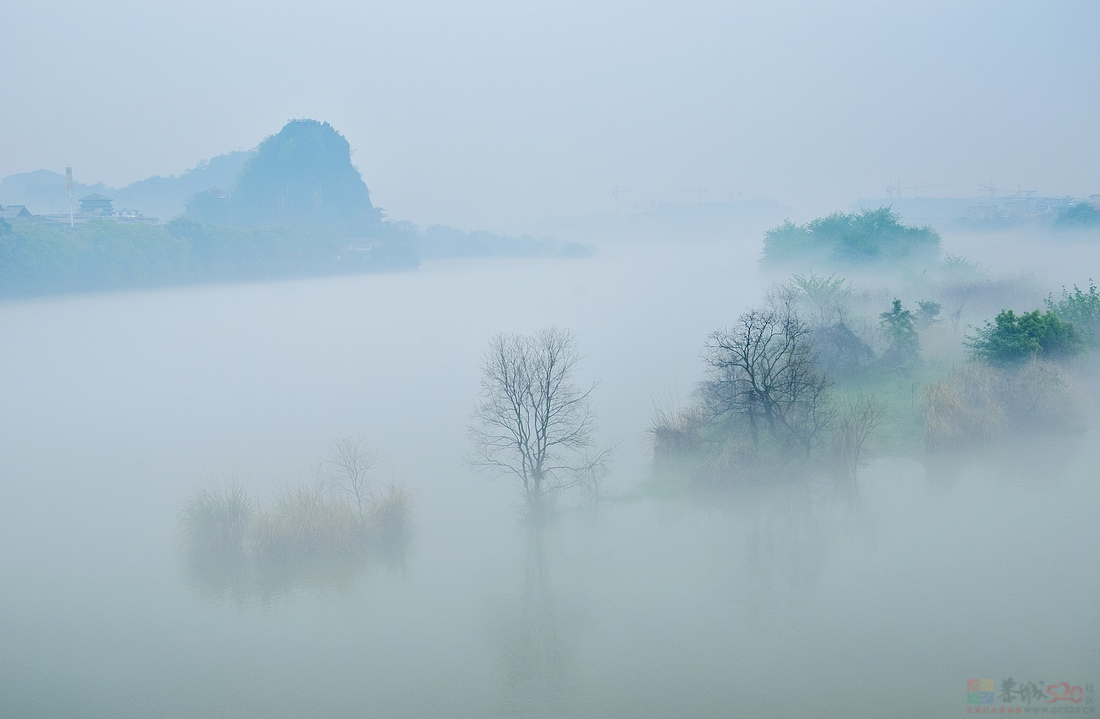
{"x": 215, "y": 520}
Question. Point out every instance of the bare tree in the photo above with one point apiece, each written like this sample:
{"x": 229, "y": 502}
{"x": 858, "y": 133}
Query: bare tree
{"x": 762, "y": 372}
{"x": 531, "y": 421}
{"x": 821, "y": 301}
{"x": 349, "y": 465}
{"x": 859, "y": 419}
{"x": 958, "y": 300}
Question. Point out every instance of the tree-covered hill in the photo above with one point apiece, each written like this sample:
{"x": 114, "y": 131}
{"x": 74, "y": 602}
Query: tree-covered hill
{"x": 301, "y": 176}
{"x": 871, "y": 237}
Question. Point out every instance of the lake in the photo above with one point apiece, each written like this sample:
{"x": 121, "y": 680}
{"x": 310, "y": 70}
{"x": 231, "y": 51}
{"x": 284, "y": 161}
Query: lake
{"x": 113, "y": 408}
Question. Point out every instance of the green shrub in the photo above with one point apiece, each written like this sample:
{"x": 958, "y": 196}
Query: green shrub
{"x": 1080, "y": 215}
{"x": 1081, "y": 309}
{"x": 871, "y": 236}
{"x": 1013, "y": 339}
{"x": 928, "y": 313}
{"x": 903, "y": 351}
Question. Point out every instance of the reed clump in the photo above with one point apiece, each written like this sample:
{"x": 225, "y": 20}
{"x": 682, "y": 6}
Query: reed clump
{"x": 300, "y": 524}
{"x": 307, "y": 522}
{"x": 978, "y": 404}
{"x": 216, "y": 520}
{"x": 676, "y": 433}
{"x": 389, "y": 519}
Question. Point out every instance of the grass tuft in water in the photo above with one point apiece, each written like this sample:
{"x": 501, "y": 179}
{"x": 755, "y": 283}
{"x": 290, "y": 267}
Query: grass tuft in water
{"x": 389, "y": 520}
{"x": 307, "y": 522}
{"x": 215, "y": 520}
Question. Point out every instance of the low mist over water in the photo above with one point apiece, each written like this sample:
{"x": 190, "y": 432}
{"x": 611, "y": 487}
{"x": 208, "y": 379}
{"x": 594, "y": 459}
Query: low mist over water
{"x": 791, "y": 599}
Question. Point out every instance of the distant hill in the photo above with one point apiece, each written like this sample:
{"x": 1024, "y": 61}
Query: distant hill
{"x": 164, "y": 197}
{"x": 302, "y": 175}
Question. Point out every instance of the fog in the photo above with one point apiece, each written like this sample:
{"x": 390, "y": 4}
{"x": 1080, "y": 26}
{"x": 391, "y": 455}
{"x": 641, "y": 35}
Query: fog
{"x": 771, "y": 603}
{"x": 655, "y": 144}
{"x": 492, "y": 115}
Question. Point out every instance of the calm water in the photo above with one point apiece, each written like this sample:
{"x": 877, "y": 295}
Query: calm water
{"x": 791, "y": 604}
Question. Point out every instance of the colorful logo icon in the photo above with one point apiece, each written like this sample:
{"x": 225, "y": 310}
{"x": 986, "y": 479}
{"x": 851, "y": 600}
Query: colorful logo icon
{"x": 979, "y": 691}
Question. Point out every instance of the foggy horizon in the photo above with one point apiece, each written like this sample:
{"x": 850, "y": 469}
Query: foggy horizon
{"x": 494, "y": 116}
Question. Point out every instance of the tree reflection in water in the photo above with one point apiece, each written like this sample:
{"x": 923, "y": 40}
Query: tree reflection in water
{"x": 534, "y": 661}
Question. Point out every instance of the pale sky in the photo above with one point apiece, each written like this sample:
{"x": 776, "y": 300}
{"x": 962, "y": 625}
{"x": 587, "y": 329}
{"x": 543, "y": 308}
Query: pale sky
{"x": 489, "y": 114}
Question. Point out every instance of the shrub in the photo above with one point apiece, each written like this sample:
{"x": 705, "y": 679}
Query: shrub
{"x": 903, "y": 352}
{"x": 928, "y": 313}
{"x": 1080, "y": 215}
{"x": 1012, "y": 339}
{"x": 1081, "y": 309}
{"x": 215, "y": 520}
{"x": 839, "y": 352}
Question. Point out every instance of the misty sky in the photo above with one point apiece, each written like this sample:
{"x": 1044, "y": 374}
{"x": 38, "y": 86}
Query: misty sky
{"x": 492, "y": 114}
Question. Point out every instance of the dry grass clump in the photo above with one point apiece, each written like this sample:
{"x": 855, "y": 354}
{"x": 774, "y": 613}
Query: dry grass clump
{"x": 215, "y": 520}
{"x": 964, "y": 409}
{"x": 389, "y": 519}
{"x": 675, "y": 434}
{"x": 306, "y": 522}
{"x": 977, "y": 404}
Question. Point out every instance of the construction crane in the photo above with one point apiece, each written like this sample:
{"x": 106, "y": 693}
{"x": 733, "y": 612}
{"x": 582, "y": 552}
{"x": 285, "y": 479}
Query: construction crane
{"x": 990, "y": 187}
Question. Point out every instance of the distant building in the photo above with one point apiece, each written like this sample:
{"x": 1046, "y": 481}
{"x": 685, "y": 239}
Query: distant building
{"x": 16, "y": 213}
{"x": 96, "y": 205}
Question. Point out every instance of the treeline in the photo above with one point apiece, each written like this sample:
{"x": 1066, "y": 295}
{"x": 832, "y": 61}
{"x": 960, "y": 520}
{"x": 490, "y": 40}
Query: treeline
{"x": 870, "y": 237}
{"x": 107, "y": 255}
{"x": 803, "y": 383}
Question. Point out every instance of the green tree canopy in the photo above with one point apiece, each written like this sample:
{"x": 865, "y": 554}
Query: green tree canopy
{"x": 1081, "y": 309}
{"x": 1080, "y": 215}
{"x": 898, "y": 324}
{"x": 1012, "y": 339}
{"x": 867, "y": 237}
